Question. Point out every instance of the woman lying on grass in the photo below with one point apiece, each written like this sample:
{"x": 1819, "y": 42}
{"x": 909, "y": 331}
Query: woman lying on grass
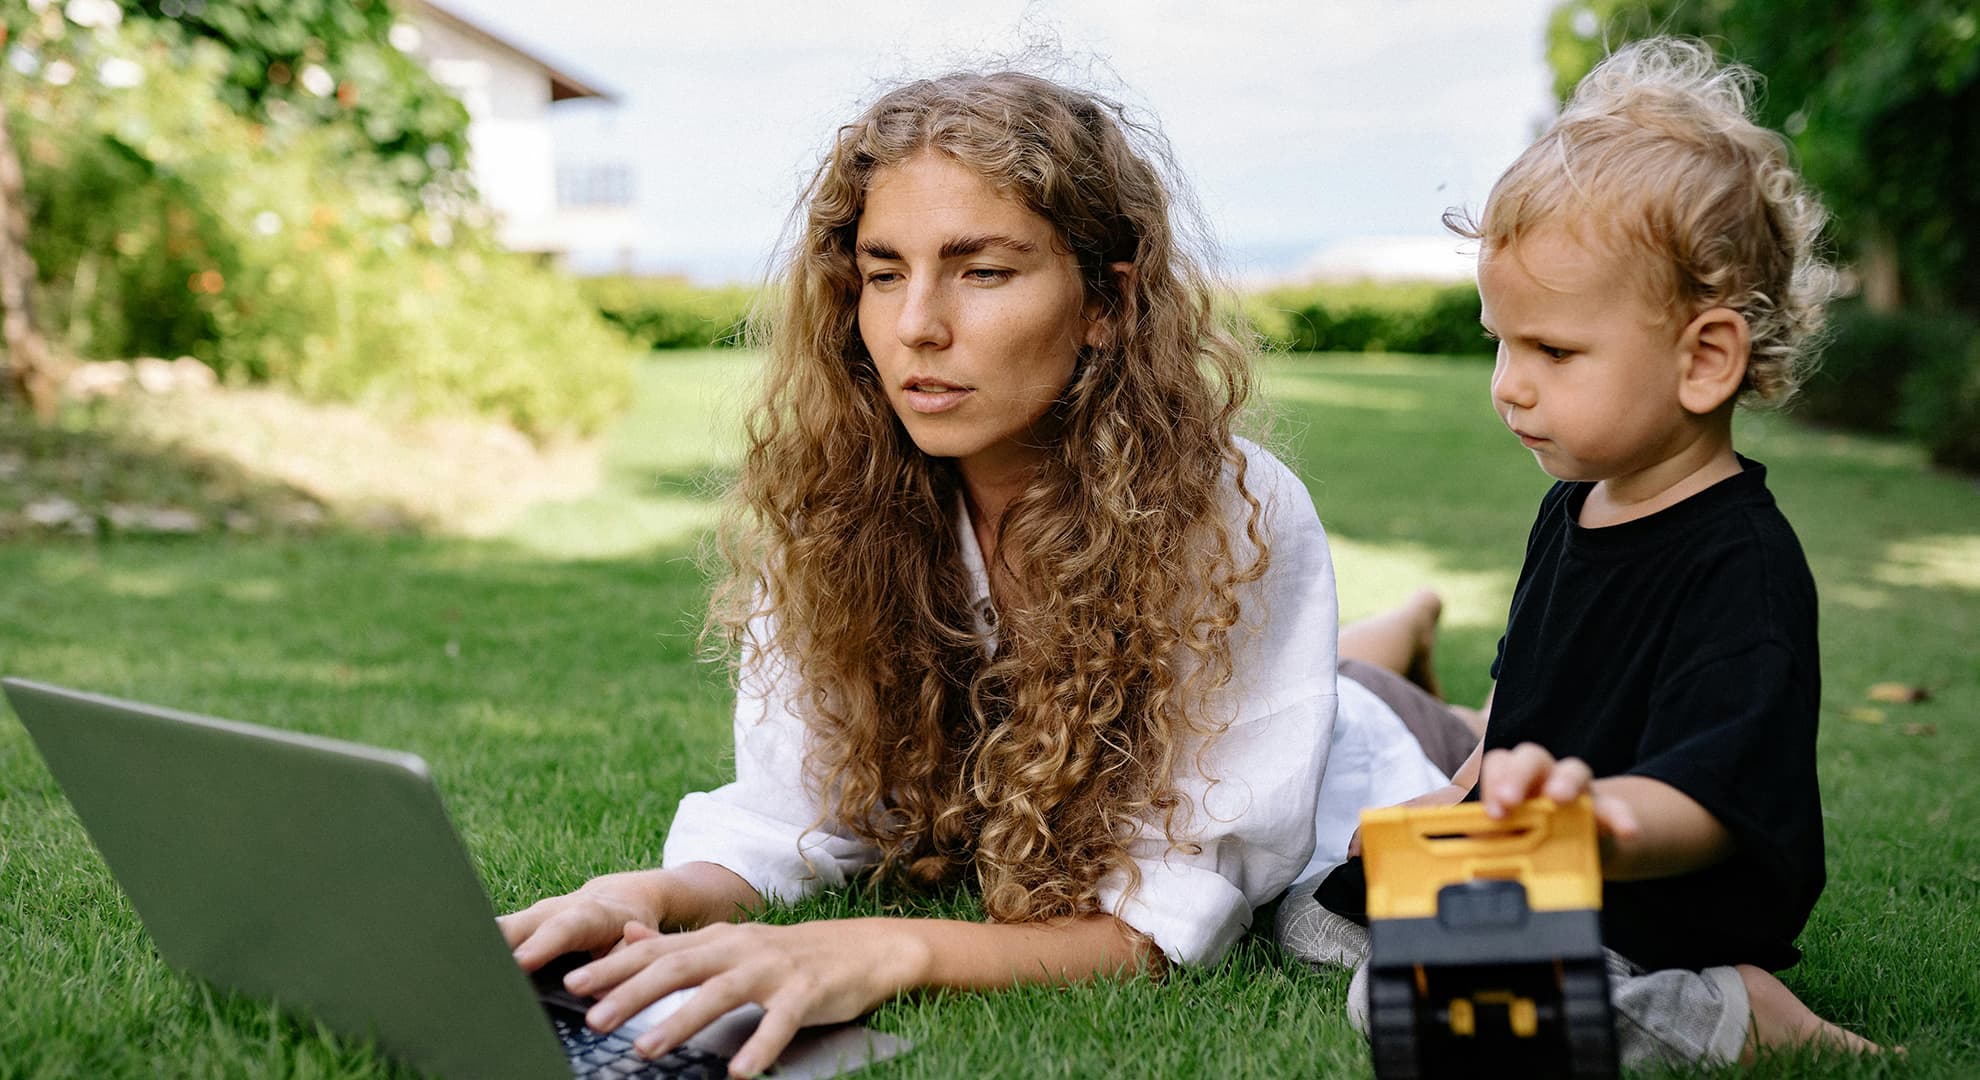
{"x": 1012, "y": 605}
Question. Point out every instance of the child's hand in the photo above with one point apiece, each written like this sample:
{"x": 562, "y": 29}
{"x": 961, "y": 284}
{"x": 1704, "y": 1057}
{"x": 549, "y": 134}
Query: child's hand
{"x": 1448, "y": 795}
{"x": 1510, "y": 777}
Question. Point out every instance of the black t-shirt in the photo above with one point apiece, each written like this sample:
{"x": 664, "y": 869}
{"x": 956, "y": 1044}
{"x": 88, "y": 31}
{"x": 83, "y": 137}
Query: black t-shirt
{"x": 1681, "y": 646}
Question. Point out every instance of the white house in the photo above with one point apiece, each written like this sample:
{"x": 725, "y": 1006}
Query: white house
{"x": 509, "y": 93}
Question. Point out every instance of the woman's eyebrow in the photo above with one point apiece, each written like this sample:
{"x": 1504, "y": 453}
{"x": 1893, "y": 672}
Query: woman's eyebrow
{"x": 971, "y": 245}
{"x": 955, "y": 248}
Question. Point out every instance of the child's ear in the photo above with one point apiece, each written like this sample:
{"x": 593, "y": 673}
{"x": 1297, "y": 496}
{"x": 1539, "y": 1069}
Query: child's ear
{"x": 1100, "y": 327}
{"x": 1712, "y": 355}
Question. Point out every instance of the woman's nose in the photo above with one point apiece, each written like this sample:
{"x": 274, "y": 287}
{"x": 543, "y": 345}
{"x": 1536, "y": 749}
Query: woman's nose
{"x": 924, "y": 317}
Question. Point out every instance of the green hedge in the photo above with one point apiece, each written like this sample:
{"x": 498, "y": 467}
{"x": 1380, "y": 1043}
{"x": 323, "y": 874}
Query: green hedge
{"x": 1412, "y": 317}
{"x": 162, "y": 223}
{"x": 1902, "y": 373}
{"x": 671, "y": 313}
{"x": 1417, "y": 317}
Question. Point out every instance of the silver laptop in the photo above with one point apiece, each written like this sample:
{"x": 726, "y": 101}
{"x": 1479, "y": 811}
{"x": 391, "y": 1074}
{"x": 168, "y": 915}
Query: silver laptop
{"x": 326, "y": 875}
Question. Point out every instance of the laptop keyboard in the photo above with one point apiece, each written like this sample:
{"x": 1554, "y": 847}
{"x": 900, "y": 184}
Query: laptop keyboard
{"x": 605, "y": 1056}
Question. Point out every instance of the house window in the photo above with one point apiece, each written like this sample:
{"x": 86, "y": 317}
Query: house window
{"x": 601, "y": 185}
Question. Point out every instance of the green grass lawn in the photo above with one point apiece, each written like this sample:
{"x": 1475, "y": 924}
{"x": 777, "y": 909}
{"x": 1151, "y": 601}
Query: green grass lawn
{"x": 549, "y": 677}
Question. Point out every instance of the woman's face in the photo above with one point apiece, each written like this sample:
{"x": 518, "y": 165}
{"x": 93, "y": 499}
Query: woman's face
{"x": 973, "y": 311}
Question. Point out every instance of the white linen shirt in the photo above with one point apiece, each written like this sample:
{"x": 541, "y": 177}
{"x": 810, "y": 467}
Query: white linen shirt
{"x": 1251, "y": 795}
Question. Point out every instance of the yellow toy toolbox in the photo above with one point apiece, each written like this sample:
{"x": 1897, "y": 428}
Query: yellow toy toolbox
{"x": 1485, "y": 942}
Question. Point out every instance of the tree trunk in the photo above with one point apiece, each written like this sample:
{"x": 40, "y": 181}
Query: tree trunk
{"x": 1883, "y": 288}
{"x": 30, "y": 368}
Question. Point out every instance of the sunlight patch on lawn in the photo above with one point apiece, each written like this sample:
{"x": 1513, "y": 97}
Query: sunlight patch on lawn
{"x": 85, "y": 664}
{"x": 1309, "y": 390}
{"x": 341, "y": 674}
{"x": 449, "y": 475}
{"x": 1769, "y": 436}
{"x": 1858, "y": 597}
{"x": 503, "y": 720}
{"x": 149, "y": 584}
{"x": 1933, "y": 562}
{"x": 253, "y": 590}
{"x": 613, "y": 528}
{"x": 1376, "y": 577}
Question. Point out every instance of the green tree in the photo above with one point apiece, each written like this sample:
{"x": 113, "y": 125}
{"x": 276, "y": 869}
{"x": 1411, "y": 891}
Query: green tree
{"x": 1881, "y": 99}
{"x": 25, "y": 368}
{"x": 291, "y": 64}
{"x": 167, "y": 214}
{"x": 331, "y": 62}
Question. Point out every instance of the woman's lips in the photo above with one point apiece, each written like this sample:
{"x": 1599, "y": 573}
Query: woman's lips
{"x": 928, "y": 396}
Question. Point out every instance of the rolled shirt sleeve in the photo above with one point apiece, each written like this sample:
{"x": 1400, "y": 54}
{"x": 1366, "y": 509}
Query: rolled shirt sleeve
{"x": 1252, "y": 792}
{"x": 767, "y": 826}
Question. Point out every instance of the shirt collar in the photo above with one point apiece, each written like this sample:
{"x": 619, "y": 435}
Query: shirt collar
{"x": 972, "y": 554}
{"x": 979, "y": 576}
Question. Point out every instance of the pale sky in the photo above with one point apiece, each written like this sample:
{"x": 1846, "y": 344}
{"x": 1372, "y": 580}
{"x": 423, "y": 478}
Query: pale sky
{"x": 1306, "y": 128}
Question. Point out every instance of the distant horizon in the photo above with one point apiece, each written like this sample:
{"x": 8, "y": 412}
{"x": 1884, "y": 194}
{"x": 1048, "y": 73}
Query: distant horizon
{"x": 1349, "y": 258}
{"x": 1308, "y": 133}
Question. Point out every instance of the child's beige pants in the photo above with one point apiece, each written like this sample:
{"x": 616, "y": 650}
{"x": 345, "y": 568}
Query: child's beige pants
{"x": 1662, "y": 1017}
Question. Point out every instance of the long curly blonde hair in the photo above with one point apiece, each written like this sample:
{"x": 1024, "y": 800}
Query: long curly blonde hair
{"x": 1029, "y": 768}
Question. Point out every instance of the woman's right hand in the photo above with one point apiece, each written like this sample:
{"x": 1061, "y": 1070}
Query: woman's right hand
{"x": 592, "y": 919}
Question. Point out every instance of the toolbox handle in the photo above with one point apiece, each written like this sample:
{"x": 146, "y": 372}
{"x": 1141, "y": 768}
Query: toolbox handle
{"x": 1523, "y": 829}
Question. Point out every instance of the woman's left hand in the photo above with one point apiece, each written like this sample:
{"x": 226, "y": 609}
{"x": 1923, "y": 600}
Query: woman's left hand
{"x": 811, "y": 973}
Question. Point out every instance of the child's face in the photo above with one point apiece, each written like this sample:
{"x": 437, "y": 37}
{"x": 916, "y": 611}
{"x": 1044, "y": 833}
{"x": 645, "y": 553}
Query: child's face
{"x": 1588, "y": 368}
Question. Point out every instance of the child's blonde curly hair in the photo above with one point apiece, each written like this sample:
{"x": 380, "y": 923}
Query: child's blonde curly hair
{"x": 1657, "y": 157}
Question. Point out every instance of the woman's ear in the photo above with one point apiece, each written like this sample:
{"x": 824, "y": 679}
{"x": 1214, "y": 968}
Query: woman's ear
{"x": 1712, "y": 353}
{"x": 1101, "y": 326}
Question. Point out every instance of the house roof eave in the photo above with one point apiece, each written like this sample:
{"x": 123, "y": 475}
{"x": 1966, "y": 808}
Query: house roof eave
{"x": 563, "y": 85}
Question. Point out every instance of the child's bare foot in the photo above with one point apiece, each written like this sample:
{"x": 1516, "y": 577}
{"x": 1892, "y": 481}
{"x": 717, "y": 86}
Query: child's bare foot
{"x": 1780, "y": 1019}
{"x": 1423, "y": 609}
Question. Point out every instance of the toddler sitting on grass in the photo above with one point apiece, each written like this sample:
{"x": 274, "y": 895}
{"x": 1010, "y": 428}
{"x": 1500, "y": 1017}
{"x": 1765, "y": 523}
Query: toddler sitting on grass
{"x": 1645, "y": 266}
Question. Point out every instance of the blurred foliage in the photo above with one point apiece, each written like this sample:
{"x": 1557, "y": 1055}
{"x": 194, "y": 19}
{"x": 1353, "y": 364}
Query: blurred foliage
{"x": 1941, "y": 402}
{"x": 1400, "y": 317}
{"x": 671, "y": 313}
{"x": 271, "y": 244}
{"x": 1881, "y": 98}
{"x": 332, "y": 62}
{"x": 1914, "y": 374}
{"x": 302, "y": 62}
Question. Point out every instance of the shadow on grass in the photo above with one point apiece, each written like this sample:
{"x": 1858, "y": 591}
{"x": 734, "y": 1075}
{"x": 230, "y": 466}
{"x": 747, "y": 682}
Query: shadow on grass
{"x": 109, "y": 478}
